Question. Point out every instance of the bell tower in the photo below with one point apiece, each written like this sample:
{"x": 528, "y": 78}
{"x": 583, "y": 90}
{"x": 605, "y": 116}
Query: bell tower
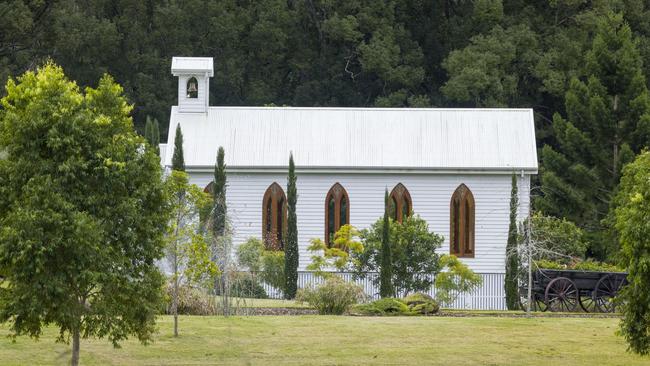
{"x": 194, "y": 75}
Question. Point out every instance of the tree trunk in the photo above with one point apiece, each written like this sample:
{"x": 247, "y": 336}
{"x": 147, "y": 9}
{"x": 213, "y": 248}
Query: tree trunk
{"x": 175, "y": 296}
{"x": 175, "y": 307}
{"x": 75, "y": 348}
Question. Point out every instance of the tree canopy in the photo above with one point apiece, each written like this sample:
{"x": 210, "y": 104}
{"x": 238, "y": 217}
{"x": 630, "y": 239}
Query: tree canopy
{"x": 82, "y": 212}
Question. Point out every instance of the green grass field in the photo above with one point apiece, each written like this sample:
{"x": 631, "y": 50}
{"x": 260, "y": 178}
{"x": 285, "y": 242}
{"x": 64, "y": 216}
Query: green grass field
{"x": 344, "y": 340}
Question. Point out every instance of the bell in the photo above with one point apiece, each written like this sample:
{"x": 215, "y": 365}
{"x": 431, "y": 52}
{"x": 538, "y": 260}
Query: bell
{"x": 192, "y": 87}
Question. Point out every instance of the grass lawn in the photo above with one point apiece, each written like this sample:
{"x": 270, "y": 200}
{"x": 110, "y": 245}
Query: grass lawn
{"x": 332, "y": 340}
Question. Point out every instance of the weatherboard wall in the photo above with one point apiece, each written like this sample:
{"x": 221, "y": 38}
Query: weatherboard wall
{"x": 431, "y": 194}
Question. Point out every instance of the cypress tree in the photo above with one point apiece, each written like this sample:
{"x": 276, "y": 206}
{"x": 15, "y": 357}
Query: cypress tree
{"x": 607, "y": 122}
{"x": 386, "y": 270}
{"x": 512, "y": 258}
{"x": 148, "y": 130}
{"x": 291, "y": 254}
{"x": 155, "y": 141}
{"x": 178, "y": 160}
{"x": 219, "y": 195}
{"x": 152, "y": 134}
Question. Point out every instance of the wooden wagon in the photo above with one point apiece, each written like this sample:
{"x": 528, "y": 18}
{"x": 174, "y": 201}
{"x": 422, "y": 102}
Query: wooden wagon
{"x": 565, "y": 290}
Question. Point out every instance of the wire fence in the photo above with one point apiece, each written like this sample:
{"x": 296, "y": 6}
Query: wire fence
{"x": 489, "y": 296}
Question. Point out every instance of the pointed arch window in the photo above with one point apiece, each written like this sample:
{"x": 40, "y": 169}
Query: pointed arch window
{"x": 192, "y": 88}
{"x": 209, "y": 188}
{"x": 461, "y": 243}
{"x": 274, "y": 217}
{"x": 337, "y": 211}
{"x": 400, "y": 202}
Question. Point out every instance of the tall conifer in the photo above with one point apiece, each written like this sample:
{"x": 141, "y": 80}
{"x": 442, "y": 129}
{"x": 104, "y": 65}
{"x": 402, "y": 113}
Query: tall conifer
{"x": 291, "y": 254}
{"x": 386, "y": 270}
{"x": 219, "y": 195}
{"x": 512, "y": 258}
{"x": 178, "y": 159}
{"x": 607, "y": 122}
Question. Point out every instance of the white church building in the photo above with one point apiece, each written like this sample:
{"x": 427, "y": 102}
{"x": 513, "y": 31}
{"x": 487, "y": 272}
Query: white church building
{"x": 453, "y": 167}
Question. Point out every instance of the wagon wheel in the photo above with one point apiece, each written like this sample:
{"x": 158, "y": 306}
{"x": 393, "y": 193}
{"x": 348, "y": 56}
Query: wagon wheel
{"x": 561, "y": 295}
{"x": 606, "y": 290}
{"x": 537, "y": 305}
{"x": 587, "y": 303}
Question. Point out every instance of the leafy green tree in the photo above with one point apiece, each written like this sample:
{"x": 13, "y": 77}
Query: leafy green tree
{"x": 494, "y": 70}
{"x": 557, "y": 239}
{"x": 512, "y": 257}
{"x": 633, "y": 206}
{"x": 337, "y": 256}
{"x": 268, "y": 264}
{"x": 386, "y": 288}
{"x": 291, "y": 253}
{"x": 608, "y": 119}
{"x": 413, "y": 252}
{"x": 82, "y": 212}
{"x": 178, "y": 159}
{"x": 455, "y": 279}
{"x": 187, "y": 250}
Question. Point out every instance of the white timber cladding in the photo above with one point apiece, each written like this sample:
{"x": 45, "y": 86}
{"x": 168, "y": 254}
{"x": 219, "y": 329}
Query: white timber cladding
{"x": 431, "y": 195}
{"x": 358, "y": 139}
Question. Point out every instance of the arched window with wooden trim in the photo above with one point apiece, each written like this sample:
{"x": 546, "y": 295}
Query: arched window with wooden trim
{"x": 400, "y": 202}
{"x": 337, "y": 211}
{"x": 461, "y": 233}
{"x": 209, "y": 188}
{"x": 192, "y": 88}
{"x": 274, "y": 217}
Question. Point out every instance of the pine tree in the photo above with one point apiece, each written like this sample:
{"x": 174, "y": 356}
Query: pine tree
{"x": 178, "y": 160}
{"x": 608, "y": 120}
{"x": 386, "y": 270}
{"x": 291, "y": 254}
{"x": 512, "y": 258}
{"x": 219, "y": 195}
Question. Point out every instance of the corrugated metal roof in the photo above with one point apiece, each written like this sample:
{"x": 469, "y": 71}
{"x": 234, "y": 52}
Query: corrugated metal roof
{"x": 359, "y": 138}
{"x": 189, "y": 65}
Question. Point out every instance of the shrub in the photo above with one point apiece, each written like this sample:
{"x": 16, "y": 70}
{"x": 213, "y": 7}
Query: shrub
{"x": 580, "y": 265}
{"x": 457, "y": 279}
{"x": 385, "y": 306}
{"x": 191, "y": 301}
{"x": 249, "y": 254}
{"x": 560, "y": 239}
{"x": 420, "y": 303}
{"x": 268, "y": 263}
{"x": 334, "y": 296}
{"x": 273, "y": 268}
{"x": 247, "y": 286}
{"x": 413, "y": 252}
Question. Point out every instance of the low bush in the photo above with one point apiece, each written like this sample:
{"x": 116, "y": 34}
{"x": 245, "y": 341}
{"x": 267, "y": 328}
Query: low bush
{"x": 420, "y": 303}
{"x": 414, "y": 304}
{"x": 580, "y": 265}
{"x": 191, "y": 301}
{"x": 382, "y": 307}
{"x": 335, "y": 296}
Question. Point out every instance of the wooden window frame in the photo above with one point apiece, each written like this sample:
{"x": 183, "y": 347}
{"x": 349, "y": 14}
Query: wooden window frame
{"x": 399, "y": 194}
{"x": 274, "y": 239}
{"x": 338, "y": 193}
{"x": 466, "y": 222}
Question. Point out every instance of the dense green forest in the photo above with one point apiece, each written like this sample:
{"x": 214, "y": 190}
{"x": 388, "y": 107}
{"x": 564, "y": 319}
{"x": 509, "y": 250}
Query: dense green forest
{"x": 578, "y": 63}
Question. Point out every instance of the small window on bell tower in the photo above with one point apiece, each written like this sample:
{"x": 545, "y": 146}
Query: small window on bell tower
{"x": 192, "y": 88}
